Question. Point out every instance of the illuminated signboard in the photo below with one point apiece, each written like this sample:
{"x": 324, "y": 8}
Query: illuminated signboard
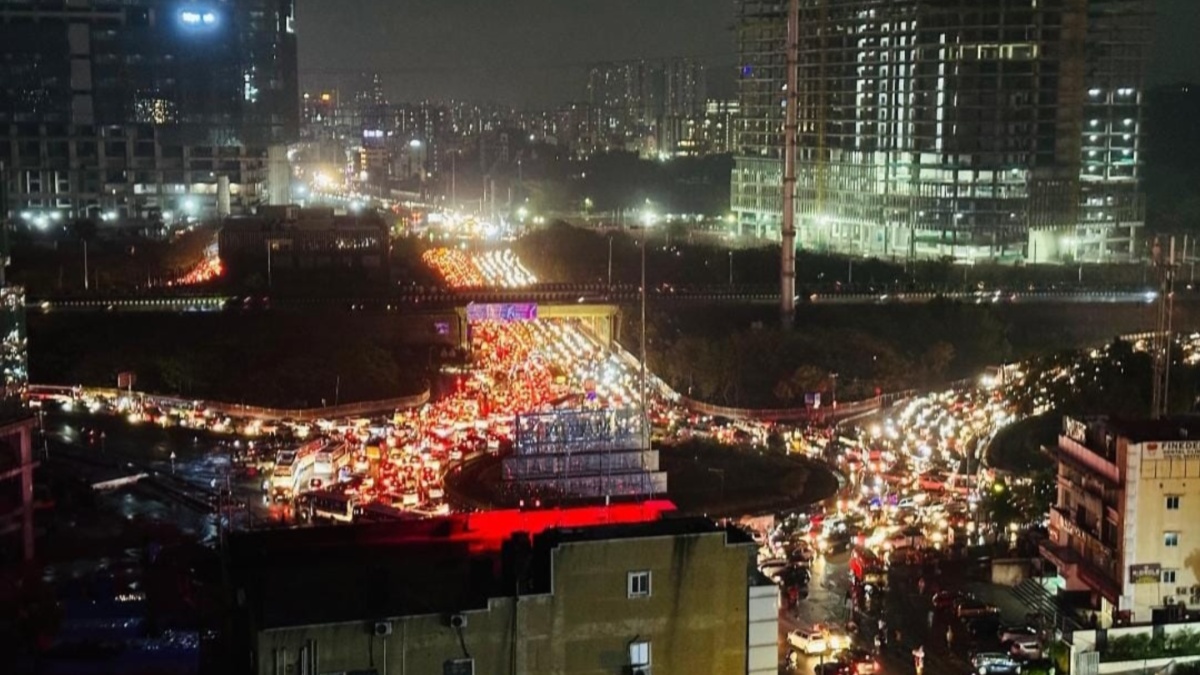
{"x": 503, "y": 312}
{"x": 1145, "y": 573}
{"x": 198, "y": 18}
{"x": 1171, "y": 450}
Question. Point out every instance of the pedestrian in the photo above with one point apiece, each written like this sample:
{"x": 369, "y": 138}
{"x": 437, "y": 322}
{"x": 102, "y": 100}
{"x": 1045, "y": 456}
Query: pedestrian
{"x": 949, "y": 637}
{"x": 921, "y": 586}
{"x": 878, "y": 643}
{"x": 919, "y": 659}
{"x": 882, "y": 625}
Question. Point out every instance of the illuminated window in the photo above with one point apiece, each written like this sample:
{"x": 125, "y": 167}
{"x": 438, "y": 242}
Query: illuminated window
{"x": 638, "y": 584}
{"x": 639, "y": 656}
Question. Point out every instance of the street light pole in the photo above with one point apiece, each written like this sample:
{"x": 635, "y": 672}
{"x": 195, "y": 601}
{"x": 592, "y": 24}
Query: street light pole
{"x": 645, "y": 410}
{"x": 731, "y": 268}
{"x": 610, "y": 240}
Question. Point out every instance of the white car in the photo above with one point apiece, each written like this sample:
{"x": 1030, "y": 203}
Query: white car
{"x": 1025, "y": 649}
{"x": 808, "y": 641}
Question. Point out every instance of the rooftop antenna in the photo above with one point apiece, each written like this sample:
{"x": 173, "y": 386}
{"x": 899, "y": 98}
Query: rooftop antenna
{"x": 1164, "y": 265}
{"x": 787, "y": 273}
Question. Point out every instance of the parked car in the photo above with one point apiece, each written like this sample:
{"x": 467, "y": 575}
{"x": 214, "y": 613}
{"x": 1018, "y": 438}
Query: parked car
{"x": 809, "y": 641}
{"x": 1025, "y": 649}
{"x": 994, "y": 663}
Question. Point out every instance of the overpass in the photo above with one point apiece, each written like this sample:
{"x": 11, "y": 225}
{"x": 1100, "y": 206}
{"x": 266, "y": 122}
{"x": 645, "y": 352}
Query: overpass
{"x": 603, "y": 321}
{"x": 557, "y": 294}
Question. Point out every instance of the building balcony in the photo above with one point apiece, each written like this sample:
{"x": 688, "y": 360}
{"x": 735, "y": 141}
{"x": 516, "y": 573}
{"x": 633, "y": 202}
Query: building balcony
{"x": 1078, "y": 569}
{"x": 1062, "y": 519}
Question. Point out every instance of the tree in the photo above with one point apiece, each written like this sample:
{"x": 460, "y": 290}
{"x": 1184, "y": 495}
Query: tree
{"x": 937, "y": 359}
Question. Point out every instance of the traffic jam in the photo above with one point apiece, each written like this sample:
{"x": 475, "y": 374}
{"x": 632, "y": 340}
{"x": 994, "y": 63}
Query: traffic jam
{"x": 910, "y": 507}
{"x": 912, "y": 475}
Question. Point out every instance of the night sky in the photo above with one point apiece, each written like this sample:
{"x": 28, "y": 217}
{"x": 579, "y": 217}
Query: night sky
{"x": 532, "y": 52}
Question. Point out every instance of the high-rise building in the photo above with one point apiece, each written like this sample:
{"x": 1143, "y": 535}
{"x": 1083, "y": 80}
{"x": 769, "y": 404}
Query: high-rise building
{"x": 132, "y": 108}
{"x": 1122, "y": 528}
{"x": 645, "y": 105}
{"x": 990, "y": 129}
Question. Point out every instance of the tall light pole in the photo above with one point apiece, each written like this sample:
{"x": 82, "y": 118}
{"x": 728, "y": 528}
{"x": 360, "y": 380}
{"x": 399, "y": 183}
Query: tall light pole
{"x": 787, "y": 275}
{"x": 610, "y": 240}
{"x": 645, "y": 410}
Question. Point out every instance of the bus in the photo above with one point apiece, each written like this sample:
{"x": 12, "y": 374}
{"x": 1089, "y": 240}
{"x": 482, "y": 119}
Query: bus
{"x": 331, "y": 506}
{"x": 291, "y": 467}
{"x": 377, "y": 512}
{"x": 330, "y": 459}
{"x": 285, "y": 477}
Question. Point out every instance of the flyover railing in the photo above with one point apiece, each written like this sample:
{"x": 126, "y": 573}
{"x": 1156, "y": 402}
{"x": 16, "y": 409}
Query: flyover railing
{"x": 359, "y": 409}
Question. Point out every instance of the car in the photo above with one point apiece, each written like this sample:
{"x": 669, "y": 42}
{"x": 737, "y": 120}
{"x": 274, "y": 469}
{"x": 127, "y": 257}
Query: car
{"x": 983, "y": 627}
{"x": 861, "y": 662}
{"x": 993, "y": 663}
{"x": 946, "y": 599}
{"x": 810, "y": 641}
{"x": 1025, "y": 649}
{"x": 970, "y": 607}
{"x": 836, "y": 638}
{"x": 1013, "y": 633}
{"x": 832, "y": 668}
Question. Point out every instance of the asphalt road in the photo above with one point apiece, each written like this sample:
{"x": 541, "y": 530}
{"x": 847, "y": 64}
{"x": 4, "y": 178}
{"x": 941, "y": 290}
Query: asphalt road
{"x": 904, "y": 609}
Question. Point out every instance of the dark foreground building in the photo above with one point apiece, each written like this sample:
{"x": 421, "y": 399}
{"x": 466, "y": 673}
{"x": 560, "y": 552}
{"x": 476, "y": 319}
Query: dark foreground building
{"x": 617, "y": 590}
{"x": 138, "y": 108}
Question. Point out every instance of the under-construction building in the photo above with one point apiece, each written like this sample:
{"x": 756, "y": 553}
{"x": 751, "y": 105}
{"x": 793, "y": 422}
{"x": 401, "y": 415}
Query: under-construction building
{"x": 583, "y": 454}
{"x": 968, "y": 128}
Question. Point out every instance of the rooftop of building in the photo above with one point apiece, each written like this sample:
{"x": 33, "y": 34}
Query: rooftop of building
{"x": 440, "y": 565}
{"x": 275, "y": 218}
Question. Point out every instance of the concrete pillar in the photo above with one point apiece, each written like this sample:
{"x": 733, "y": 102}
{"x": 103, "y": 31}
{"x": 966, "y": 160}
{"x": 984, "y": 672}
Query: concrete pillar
{"x": 223, "y": 209}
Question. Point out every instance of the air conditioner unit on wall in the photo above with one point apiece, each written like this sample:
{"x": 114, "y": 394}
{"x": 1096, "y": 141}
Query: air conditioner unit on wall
{"x": 382, "y": 628}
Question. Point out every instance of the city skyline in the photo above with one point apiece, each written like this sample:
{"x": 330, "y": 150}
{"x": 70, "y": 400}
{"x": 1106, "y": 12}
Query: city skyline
{"x": 531, "y": 53}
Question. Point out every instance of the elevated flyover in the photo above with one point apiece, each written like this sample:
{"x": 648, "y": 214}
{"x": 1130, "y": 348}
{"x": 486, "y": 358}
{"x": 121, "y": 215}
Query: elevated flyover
{"x": 602, "y": 320}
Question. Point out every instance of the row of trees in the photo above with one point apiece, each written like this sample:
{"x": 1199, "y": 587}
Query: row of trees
{"x": 270, "y": 359}
{"x": 740, "y": 357}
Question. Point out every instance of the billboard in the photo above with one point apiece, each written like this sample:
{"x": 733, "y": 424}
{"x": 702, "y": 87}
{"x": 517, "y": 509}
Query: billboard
{"x": 1145, "y": 573}
{"x": 1171, "y": 450}
{"x": 503, "y": 312}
